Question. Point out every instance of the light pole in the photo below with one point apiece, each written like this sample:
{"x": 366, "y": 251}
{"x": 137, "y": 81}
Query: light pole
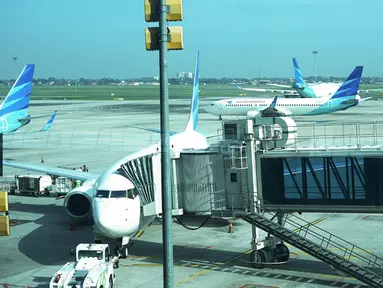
{"x": 164, "y": 38}
{"x": 15, "y": 65}
{"x": 316, "y": 65}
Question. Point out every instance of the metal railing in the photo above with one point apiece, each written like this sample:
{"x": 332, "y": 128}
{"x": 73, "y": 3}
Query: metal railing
{"x": 358, "y": 135}
{"x": 321, "y": 237}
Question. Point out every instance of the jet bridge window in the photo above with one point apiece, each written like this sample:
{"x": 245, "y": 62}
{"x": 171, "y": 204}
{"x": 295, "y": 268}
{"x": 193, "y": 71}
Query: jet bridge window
{"x": 102, "y": 194}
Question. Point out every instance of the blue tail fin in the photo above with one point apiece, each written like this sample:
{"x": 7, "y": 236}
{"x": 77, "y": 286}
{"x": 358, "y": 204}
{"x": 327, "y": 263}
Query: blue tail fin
{"x": 350, "y": 87}
{"x": 193, "y": 119}
{"x": 50, "y": 122}
{"x": 299, "y": 82}
{"x": 18, "y": 97}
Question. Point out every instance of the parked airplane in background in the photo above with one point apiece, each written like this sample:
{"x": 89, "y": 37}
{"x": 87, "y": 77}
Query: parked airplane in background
{"x": 14, "y": 109}
{"x": 111, "y": 197}
{"x": 306, "y": 90}
{"x": 345, "y": 97}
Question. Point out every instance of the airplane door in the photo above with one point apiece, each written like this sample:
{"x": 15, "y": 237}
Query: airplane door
{"x": 233, "y": 183}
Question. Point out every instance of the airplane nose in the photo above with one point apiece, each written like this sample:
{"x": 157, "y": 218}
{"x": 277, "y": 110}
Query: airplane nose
{"x": 209, "y": 109}
{"x": 110, "y": 221}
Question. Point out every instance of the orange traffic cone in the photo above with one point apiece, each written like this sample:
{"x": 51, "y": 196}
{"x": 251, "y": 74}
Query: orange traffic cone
{"x": 230, "y": 227}
{"x": 42, "y": 159}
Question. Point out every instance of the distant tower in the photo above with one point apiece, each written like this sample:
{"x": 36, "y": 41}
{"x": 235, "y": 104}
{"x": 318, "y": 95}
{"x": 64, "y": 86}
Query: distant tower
{"x": 316, "y": 65}
{"x": 15, "y": 65}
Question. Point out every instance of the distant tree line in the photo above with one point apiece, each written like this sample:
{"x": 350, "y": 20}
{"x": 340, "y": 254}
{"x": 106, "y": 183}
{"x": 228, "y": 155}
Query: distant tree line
{"x": 176, "y": 81}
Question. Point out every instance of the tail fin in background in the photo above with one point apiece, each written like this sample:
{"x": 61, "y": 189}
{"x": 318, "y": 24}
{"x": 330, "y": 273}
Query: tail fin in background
{"x": 350, "y": 87}
{"x": 299, "y": 82}
{"x": 18, "y": 97}
{"x": 193, "y": 119}
{"x": 50, "y": 122}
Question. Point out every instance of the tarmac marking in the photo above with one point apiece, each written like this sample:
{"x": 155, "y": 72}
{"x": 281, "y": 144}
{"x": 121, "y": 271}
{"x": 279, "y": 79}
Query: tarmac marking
{"x": 138, "y": 234}
{"x": 212, "y": 268}
{"x": 312, "y": 223}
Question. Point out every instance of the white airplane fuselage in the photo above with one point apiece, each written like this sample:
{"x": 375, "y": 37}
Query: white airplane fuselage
{"x": 289, "y": 106}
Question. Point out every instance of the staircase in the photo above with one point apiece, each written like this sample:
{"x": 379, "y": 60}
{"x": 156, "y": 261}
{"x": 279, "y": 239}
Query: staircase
{"x": 320, "y": 243}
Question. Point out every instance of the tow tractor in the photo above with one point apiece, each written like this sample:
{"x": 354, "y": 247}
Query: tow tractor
{"x": 93, "y": 268}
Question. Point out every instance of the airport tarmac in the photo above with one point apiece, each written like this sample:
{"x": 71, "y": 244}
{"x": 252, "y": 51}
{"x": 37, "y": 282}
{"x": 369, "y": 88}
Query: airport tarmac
{"x": 95, "y": 133}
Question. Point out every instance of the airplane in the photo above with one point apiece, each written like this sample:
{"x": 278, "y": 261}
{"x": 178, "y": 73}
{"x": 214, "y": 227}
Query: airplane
{"x": 306, "y": 90}
{"x": 111, "y": 198}
{"x": 345, "y": 97}
{"x": 14, "y": 109}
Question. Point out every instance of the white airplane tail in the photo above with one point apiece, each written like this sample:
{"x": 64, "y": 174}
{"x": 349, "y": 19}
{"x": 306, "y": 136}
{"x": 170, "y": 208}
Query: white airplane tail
{"x": 193, "y": 118}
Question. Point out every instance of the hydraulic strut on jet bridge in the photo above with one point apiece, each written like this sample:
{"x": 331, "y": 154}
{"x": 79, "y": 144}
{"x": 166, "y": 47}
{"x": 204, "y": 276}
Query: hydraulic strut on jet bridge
{"x": 318, "y": 242}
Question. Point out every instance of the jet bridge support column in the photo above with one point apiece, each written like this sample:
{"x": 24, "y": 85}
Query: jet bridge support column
{"x": 252, "y": 178}
{"x": 270, "y": 249}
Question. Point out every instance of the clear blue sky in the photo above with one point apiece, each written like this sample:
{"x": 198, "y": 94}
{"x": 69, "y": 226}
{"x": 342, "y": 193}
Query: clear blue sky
{"x": 93, "y": 38}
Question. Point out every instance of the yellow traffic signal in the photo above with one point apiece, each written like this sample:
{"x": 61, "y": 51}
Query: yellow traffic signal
{"x": 175, "y": 38}
{"x": 4, "y": 219}
{"x": 152, "y": 10}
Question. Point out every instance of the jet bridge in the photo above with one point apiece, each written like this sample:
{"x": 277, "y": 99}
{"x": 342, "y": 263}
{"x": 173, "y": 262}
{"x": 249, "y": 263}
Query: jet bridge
{"x": 245, "y": 174}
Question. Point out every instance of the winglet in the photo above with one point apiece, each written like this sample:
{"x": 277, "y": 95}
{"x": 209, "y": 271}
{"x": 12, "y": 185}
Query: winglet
{"x": 299, "y": 82}
{"x": 50, "y": 122}
{"x": 193, "y": 119}
{"x": 274, "y": 103}
{"x": 350, "y": 87}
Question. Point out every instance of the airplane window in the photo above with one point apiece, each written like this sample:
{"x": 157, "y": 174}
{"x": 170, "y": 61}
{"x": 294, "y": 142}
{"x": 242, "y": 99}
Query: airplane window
{"x": 118, "y": 194}
{"x": 102, "y": 194}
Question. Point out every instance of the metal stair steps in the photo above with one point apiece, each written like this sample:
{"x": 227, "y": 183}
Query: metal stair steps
{"x": 318, "y": 251}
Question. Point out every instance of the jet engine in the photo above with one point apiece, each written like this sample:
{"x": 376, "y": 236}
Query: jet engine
{"x": 78, "y": 202}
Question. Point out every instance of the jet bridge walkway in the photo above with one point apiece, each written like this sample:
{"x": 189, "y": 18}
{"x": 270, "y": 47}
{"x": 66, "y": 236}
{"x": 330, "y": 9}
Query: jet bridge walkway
{"x": 322, "y": 245}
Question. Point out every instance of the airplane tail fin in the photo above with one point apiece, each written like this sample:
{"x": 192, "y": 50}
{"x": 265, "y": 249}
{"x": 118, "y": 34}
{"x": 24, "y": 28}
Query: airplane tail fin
{"x": 298, "y": 78}
{"x": 350, "y": 87}
{"x": 50, "y": 122}
{"x": 18, "y": 97}
{"x": 193, "y": 119}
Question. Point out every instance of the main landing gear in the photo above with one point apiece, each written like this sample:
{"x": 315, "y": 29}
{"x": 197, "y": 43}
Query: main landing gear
{"x": 269, "y": 255}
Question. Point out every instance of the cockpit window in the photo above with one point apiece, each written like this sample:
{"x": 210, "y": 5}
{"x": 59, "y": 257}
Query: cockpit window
{"x": 118, "y": 194}
{"x": 102, "y": 194}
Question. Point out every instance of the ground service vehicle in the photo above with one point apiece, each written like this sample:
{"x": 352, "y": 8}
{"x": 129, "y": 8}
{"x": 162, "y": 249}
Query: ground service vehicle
{"x": 93, "y": 268}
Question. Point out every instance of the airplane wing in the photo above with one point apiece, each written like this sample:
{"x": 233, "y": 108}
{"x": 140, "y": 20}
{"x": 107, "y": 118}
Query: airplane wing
{"x": 365, "y": 99}
{"x": 151, "y": 129}
{"x": 279, "y": 85}
{"x": 46, "y": 127}
{"x": 290, "y": 91}
{"x": 61, "y": 172}
{"x": 272, "y": 111}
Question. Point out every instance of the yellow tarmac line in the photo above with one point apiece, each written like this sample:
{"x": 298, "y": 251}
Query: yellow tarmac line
{"x": 212, "y": 268}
